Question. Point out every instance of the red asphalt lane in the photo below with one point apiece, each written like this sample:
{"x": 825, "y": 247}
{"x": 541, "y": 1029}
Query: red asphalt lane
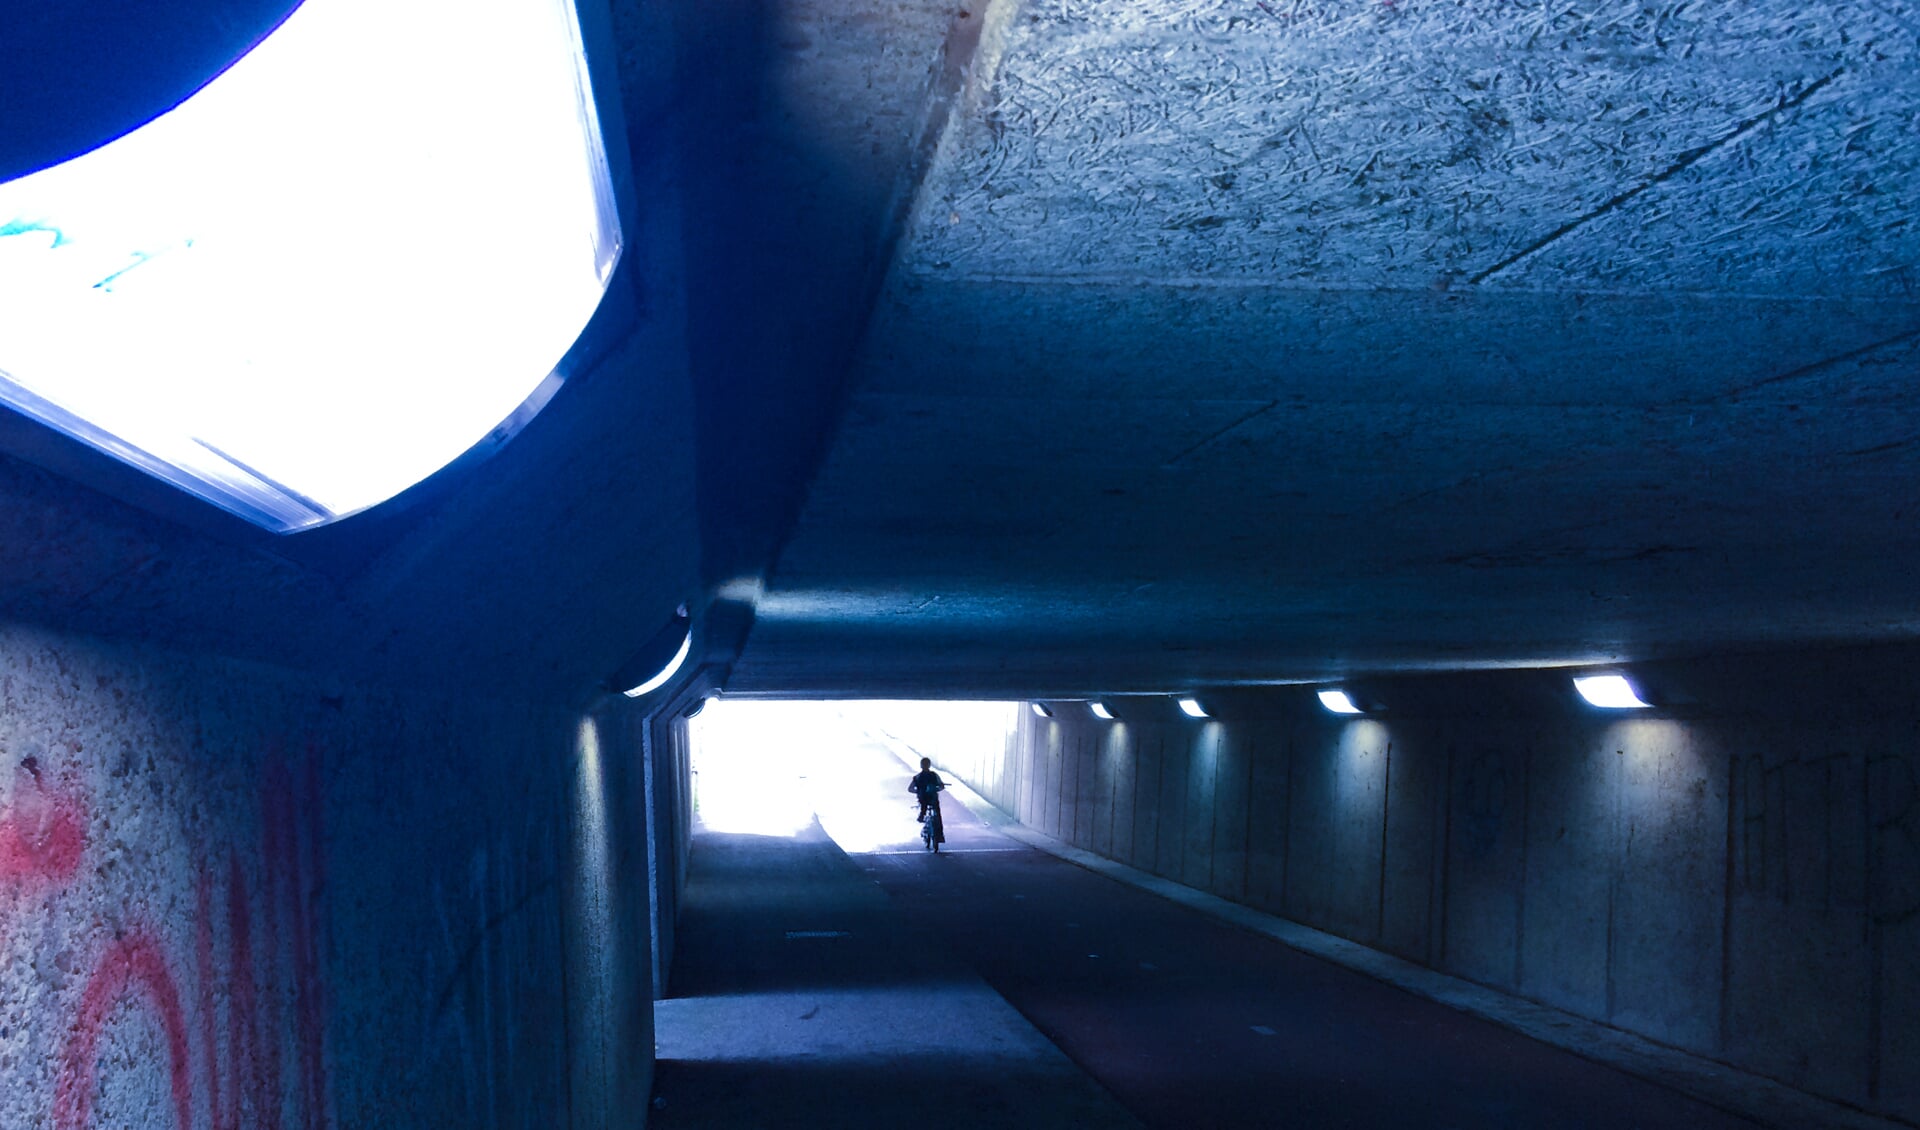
{"x": 1193, "y": 1023}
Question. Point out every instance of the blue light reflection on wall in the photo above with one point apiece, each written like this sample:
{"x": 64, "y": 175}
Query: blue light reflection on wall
{"x": 660, "y": 678}
{"x": 329, "y": 273}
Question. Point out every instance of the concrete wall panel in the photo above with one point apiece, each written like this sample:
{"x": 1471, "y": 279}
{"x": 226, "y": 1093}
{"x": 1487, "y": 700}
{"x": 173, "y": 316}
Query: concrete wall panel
{"x": 1486, "y": 857}
{"x": 1126, "y": 782}
{"x": 1232, "y": 794}
{"x": 1360, "y": 761}
{"x": 1312, "y": 871}
{"x": 1196, "y": 841}
{"x": 1169, "y": 857}
{"x": 1573, "y": 793}
{"x": 1742, "y": 882}
{"x": 1411, "y": 863}
{"x": 1798, "y": 905}
{"x": 1893, "y": 807}
{"x": 1665, "y": 957}
{"x": 1092, "y": 787}
{"x": 231, "y": 897}
{"x": 1147, "y": 807}
{"x": 1268, "y": 824}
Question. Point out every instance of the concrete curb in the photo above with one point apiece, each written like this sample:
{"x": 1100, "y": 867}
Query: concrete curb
{"x": 1763, "y": 1100}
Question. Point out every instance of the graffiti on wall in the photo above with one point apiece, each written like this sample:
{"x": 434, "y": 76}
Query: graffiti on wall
{"x": 235, "y": 994}
{"x": 1832, "y": 832}
{"x": 42, "y": 836}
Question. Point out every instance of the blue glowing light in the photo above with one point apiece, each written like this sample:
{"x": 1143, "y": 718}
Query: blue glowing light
{"x": 673, "y": 666}
{"x": 1339, "y": 702}
{"x": 1612, "y": 692}
{"x": 1100, "y": 711}
{"x": 1191, "y": 708}
{"x": 336, "y": 268}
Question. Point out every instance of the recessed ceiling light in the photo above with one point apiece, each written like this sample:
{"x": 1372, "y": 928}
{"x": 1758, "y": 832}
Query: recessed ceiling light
{"x": 294, "y": 295}
{"x": 1612, "y": 692}
{"x": 1191, "y": 708}
{"x": 1100, "y": 710}
{"x": 1339, "y": 702}
{"x": 1041, "y": 710}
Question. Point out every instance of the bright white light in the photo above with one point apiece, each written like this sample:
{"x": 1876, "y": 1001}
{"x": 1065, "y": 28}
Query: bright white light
{"x": 752, "y": 760}
{"x": 337, "y": 267}
{"x": 1610, "y": 691}
{"x": 1040, "y": 710}
{"x": 1338, "y": 702}
{"x": 667, "y": 672}
{"x": 1100, "y": 710}
{"x": 1191, "y": 708}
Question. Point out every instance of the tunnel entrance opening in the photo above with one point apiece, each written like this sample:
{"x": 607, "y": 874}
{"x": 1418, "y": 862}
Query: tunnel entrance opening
{"x": 776, "y": 768}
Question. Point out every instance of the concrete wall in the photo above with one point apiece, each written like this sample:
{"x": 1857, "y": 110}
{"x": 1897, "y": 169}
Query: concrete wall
{"x": 1736, "y": 873}
{"x": 230, "y": 897}
{"x": 670, "y": 815}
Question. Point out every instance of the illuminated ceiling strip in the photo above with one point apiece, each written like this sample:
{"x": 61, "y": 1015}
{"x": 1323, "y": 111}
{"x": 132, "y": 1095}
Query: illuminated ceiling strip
{"x": 667, "y": 672}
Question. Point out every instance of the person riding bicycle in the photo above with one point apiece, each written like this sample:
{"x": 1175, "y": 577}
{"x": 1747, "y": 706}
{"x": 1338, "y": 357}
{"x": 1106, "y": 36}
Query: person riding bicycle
{"x": 926, "y": 785}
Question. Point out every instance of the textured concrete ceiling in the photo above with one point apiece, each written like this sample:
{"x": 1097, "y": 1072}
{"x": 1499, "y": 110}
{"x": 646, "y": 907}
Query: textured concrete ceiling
{"x": 1160, "y": 342}
{"x": 1242, "y": 340}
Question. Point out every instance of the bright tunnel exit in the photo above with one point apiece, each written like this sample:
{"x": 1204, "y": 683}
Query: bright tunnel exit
{"x": 774, "y": 768}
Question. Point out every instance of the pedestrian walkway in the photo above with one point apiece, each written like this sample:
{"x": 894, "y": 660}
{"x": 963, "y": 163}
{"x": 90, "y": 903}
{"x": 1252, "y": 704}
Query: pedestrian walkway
{"x": 800, "y": 997}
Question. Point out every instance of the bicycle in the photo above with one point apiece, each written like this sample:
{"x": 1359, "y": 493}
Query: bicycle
{"x": 933, "y": 829}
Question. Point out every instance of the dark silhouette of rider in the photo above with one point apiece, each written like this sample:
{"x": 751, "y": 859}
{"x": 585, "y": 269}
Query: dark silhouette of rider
{"x": 926, "y": 785}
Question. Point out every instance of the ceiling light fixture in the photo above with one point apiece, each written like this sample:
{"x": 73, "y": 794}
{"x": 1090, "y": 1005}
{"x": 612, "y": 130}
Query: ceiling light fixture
{"x": 673, "y": 665}
{"x": 1610, "y": 692}
{"x": 321, "y": 292}
{"x": 1339, "y": 702}
{"x": 1192, "y": 709}
{"x": 1100, "y": 710}
{"x": 1041, "y": 710}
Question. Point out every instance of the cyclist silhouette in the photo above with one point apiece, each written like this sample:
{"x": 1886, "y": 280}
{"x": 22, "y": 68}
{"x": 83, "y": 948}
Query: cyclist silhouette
{"x": 926, "y": 785}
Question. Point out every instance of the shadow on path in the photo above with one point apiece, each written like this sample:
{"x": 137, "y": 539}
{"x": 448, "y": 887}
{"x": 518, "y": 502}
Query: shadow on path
{"x": 802, "y": 997}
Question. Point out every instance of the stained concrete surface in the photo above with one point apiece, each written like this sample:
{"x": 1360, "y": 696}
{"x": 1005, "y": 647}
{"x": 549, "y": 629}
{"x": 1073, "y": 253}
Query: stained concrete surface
{"x": 802, "y": 998}
{"x": 1236, "y": 341}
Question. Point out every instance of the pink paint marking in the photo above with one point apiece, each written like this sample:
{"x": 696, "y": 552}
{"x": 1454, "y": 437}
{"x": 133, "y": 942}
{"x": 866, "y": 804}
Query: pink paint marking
{"x": 243, "y": 1023}
{"x": 134, "y": 962}
{"x": 218, "y": 1117}
{"x": 43, "y": 834}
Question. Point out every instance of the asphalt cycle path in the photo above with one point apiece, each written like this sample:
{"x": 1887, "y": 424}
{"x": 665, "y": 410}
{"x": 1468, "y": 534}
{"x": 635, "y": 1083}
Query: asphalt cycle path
{"x": 1190, "y": 1022}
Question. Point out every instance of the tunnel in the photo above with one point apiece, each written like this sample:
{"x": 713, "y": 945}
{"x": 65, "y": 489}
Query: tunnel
{"x": 1394, "y": 522}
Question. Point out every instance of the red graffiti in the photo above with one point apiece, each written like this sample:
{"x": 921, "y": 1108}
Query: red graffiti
{"x": 42, "y": 834}
{"x": 133, "y": 963}
{"x": 272, "y": 945}
{"x": 245, "y": 1087}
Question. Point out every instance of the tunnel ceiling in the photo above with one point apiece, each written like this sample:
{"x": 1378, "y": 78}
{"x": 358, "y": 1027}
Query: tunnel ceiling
{"x": 1169, "y": 342}
{"x": 1268, "y": 339}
